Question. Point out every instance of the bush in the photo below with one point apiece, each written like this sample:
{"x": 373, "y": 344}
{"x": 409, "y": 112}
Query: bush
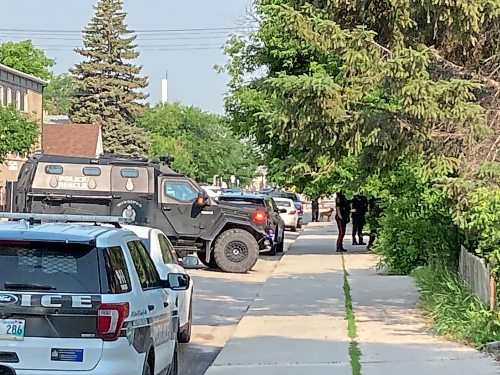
{"x": 416, "y": 228}
{"x": 455, "y": 312}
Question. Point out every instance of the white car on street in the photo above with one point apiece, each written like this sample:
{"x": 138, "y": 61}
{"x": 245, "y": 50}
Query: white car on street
{"x": 288, "y": 213}
{"x": 165, "y": 258}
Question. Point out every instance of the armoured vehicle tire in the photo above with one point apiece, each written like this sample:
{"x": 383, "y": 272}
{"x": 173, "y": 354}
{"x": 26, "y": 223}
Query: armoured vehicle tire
{"x": 211, "y": 264}
{"x": 236, "y": 251}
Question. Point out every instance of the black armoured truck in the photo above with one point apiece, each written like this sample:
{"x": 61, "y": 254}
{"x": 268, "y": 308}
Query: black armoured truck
{"x": 149, "y": 193}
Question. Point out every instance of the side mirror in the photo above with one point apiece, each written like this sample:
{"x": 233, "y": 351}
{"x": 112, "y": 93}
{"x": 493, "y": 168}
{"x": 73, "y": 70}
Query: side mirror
{"x": 283, "y": 211}
{"x": 177, "y": 281}
{"x": 203, "y": 199}
{"x": 189, "y": 261}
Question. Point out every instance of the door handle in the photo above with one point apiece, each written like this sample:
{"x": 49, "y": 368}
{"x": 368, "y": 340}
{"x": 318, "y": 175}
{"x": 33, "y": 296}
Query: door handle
{"x": 151, "y": 307}
{"x": 166, "y": 208}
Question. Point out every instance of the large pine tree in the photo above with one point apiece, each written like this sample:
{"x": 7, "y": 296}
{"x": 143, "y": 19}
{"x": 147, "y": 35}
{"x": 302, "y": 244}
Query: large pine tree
{"x": 107, "y": 83}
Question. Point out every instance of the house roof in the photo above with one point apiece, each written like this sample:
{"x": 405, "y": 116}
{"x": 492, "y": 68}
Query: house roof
{"x": 71, "y": 139}
{"x": 21, "y": 74}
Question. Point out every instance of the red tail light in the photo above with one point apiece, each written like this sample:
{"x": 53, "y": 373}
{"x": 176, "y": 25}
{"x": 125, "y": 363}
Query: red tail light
{"x": 259, "y": 216}
{"x": 293, "y": 212}
{"x": 110, "y": 317}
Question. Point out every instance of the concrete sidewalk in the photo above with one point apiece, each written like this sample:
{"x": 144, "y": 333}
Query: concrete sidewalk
{"x": 297, "y": 324}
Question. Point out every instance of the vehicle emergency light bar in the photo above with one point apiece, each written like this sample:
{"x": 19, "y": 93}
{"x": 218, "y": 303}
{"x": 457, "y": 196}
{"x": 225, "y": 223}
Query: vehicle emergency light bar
{"x": 116, "y": 220}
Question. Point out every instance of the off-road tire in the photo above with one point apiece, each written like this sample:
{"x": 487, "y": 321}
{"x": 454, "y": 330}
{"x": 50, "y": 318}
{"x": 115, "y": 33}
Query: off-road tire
{"x": 236, "y": 251}
{"x": 211, "y": 263}
{"x": 184, "y": 336}
{"x": 280, "y": 247}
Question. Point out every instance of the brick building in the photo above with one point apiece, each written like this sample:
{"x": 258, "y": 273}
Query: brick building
{"x": 25, "y": 92}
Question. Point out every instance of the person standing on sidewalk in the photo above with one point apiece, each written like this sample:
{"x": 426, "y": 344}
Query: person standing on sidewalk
{"x": 342, "y": 218}
{"x": 359, "y": 208}
{"x": 315, "y": 210}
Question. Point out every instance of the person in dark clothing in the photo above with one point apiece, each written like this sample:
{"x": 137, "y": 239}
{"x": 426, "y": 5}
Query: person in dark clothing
{"x": 373, "y": 217}
{"x": 315, "y": 210}
{"x": 359, "y": 204}
{"x": 342, "y": 218}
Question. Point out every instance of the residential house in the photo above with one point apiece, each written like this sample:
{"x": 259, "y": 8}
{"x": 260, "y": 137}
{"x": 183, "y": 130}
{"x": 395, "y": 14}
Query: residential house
{"x": 83, "y": 140}
{"x": 25, "y": 92}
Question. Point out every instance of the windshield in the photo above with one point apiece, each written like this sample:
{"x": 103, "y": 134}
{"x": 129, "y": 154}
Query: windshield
{"x": 35, "y": 266}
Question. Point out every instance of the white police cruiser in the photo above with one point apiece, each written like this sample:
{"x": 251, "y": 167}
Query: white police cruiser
{"x": 83, "y": 299}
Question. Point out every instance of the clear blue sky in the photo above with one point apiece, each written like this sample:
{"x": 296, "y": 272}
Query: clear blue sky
{"x": 192, "y": 79}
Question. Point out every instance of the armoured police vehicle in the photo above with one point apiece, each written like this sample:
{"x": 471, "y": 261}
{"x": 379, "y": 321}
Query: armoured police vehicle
{"x": 151, "y": 194}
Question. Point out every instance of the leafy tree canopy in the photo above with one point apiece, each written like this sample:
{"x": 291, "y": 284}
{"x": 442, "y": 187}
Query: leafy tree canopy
{"x": 201, "y": 143}
{"x": 25, "y": 57}
{"x": 57, "y": 94}
{"x": 17, "y": 132}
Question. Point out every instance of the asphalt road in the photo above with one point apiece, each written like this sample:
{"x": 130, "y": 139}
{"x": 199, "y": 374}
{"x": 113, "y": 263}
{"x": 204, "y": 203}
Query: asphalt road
{"x": 220, "y": 301}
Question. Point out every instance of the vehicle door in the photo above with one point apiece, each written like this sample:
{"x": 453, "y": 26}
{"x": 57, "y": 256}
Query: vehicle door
{"x": 132, "y": 188}
{"x": 178, "y": 203}
{"x": 163, "y": 324}
{"x": 169, "y": 258}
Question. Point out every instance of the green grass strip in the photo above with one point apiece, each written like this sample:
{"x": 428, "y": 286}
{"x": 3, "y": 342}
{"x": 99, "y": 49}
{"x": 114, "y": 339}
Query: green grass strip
{"x": 354, "y": 351}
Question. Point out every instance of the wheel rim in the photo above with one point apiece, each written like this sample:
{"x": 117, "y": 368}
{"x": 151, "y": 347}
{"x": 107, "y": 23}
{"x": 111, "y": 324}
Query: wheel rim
{"x": 236, "y": 251}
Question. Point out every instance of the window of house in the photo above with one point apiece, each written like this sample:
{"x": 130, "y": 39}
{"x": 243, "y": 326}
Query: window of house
{"x": 9, "y": 96}
{"x": 25, "y": 103}
{"x": 18, "y": 100}
{"x": 1, "y": 96}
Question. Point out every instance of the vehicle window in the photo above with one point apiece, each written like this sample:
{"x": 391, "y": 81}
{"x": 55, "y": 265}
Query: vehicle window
{"x": 281, "y": 203}
{"x": 53, "y": 169}
{"x": 146, "y": 270}
{"x": 129, "y": 173}
{"x": 59, "y": 267}
{"x": 181, "y": 191}
{"x": 116, "y": 272}
{"x": 167, "y": 251}
{"x": 92, "y": 171}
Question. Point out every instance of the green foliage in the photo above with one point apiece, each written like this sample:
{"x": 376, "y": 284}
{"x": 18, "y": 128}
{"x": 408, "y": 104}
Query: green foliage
{"x": 107, "y": 86}
{"x": 416, "y": 228}
{"x": 201, "y": 142}
{"x": 57, "y": 94}
{"x": 454, "y": 310}
{"x": 17, "y": 132}
{"x": 25, "y": 57}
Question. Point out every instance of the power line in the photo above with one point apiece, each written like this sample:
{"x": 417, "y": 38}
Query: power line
{"x": 150, "y": 31}
{"x": 166, "y": 37}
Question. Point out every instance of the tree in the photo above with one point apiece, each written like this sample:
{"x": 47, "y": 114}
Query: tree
{"x": 25, "y": 57}
{"x": 107, "y": 85}
{"x": 57, "y": 94}
{"x": 201, "y": 143}
{"x": 17, "y": 132}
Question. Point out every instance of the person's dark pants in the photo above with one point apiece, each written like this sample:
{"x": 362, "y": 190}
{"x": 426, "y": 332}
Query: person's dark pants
{"x": 358, "y": 222}
{"x": 341, "y": 225}
{"x": 315, "y": 214}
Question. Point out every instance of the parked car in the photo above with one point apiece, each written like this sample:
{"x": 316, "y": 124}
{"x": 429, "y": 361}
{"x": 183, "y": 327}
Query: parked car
{"x": 165, "y": 258}
{"x": 83, "y": 299}
{"x": 148, "y": 192}
{"x": 288, "y": 213}
{"x": 265, "y": 213}
{"x": 296, "y": 201}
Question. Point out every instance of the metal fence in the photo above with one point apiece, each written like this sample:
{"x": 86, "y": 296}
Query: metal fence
{"x": 477, "y": 274}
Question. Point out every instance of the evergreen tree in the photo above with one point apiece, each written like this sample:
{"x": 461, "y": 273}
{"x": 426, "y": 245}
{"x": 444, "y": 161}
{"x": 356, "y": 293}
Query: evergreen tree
{"x": 107, "y": 83}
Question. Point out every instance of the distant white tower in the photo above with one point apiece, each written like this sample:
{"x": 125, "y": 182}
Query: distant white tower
{"x": 164, "y": 88}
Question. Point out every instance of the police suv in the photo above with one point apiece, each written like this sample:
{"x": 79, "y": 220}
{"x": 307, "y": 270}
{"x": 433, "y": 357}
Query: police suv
{"x": 83, "y": 299}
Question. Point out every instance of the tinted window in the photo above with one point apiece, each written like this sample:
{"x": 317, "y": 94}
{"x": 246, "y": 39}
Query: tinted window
{"x": 167, "y": 251}
{"x": 146, "y": 270}
{"x": 53, "y": 169}
{"x": 92, "y": 171}
{"x": 281, "y": 203}
{"x": 180, "y": 190}
{"x": 116, "y": 272}
{"x": 250, "y": 201}
{"x": 65, "y": 268}
{"x": 129, "y": 173}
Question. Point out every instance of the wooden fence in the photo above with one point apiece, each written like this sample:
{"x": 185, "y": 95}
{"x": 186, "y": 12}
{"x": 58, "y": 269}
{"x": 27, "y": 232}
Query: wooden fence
{"x": 477, "y": 274}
